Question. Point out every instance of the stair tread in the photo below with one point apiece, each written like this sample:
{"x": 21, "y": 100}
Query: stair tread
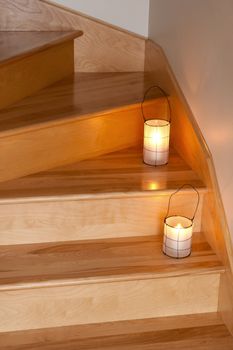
{"x": 17, "y": 45}
{"x": 199, "y": 331}
{"x": 101, "y": 260}
{"x": 117, "y": 173}
{"x": 79, "y": 95}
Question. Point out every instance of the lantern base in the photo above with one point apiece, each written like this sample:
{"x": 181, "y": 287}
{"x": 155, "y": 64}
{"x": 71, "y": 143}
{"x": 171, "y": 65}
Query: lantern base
{"x": 177, "y": 257}
{"x": 155, "y": 165}
{"x": 155, "y": 159}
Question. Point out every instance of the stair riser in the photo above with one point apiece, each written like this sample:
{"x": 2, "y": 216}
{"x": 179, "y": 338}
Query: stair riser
{"x": 62, "y": 143}
{"x": 26, "y": 76}
{"x": 103, "y": 302}
{"x": 56, "y": 221}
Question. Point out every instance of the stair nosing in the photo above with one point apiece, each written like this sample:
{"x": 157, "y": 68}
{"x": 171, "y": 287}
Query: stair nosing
{"x": 79, "y": 281}
{"x": 95, "y": 196}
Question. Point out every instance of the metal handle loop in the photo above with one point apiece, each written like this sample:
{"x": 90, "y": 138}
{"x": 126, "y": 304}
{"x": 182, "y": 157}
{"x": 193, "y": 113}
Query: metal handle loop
{"x": 179, "y": 189}
{"x": 163, "y": 93}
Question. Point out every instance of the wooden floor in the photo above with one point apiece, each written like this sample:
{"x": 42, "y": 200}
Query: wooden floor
{"x": 119, "y": 172}
{"x": 123, "y": 258}
{"x": 200, "y": 331}
{"x": 81, "y": 95}
{"x": 15, "y": 45}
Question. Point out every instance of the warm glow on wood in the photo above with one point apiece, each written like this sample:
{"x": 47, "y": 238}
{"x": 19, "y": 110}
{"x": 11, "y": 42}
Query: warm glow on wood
{"x": 153, "y": 185}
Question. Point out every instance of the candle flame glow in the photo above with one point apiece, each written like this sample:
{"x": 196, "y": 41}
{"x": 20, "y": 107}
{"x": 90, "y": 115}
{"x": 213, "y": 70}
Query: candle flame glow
{"x": 156, "y": 138}
{"x": 179, "y": 226}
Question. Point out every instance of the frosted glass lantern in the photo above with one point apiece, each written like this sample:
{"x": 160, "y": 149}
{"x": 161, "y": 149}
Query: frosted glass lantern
{"x": 178, "y": 230}
{"x": 177, "y": 240}
{"x": 156, "y": 135}
{"x": 156, "y": 141}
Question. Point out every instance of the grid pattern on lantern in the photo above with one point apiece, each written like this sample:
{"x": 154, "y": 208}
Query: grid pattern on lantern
{"x": 177, "y": 247}
{"x": 156, "y": 142}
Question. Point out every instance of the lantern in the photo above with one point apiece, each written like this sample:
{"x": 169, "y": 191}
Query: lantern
{"x": 156, "y": 135}
{"x": 178, "y": 230}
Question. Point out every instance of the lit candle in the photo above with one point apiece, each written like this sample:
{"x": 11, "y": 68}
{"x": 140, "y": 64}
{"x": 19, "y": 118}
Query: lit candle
{"x": 177, "y": 239}
{"x": 156, "y": 141}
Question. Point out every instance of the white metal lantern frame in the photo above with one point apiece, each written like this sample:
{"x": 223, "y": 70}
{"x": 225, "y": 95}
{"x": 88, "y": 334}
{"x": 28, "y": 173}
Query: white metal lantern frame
{"x": 181, "y": 247}
{"x": 156, "y": 134}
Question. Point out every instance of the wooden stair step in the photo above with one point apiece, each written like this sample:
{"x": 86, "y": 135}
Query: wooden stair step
{"x": 68, "y": 203}
{"x": 103, "y": 281}
{"x": 200, "y": 331}
{"x": 85, "y": 115}
{"x": 117, "y": 173}
{"x": 17, "y": 45}
{"x": 120, "y": 258}
{"x": 78, "y": 96}
{"x": 30, "y": 61}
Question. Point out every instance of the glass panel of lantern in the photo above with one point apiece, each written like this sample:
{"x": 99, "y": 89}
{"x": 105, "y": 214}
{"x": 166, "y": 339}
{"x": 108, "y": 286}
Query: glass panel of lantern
{"x": 156, "y": 133}
{"x": 178, "y": 230}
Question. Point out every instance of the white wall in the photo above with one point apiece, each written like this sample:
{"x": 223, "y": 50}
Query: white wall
{"x": 132, "y": 15}
{"x": 197, "y": 36}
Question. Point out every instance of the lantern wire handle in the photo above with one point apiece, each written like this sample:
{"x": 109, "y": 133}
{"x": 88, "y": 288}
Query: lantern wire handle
{"x": 163, "y": 93}
{"x": 179, "y": 189}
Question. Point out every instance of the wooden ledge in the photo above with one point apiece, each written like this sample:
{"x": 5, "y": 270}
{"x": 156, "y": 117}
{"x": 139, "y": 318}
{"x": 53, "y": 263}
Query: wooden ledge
{"x": 17, "y": 45}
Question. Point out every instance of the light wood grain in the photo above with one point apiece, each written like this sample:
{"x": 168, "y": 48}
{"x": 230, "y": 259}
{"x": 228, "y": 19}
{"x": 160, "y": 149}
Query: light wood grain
{"x": 63, "y": 305}
{"x": 110, "y": 175}
{"x": 69, "y": 202}
{"x": 68, "y": 142}
{"x": 103, "y": 48}
{"x": 71, "y": 219}
{"x": 98, "y": 260}
{"x": 226, "y": 299}
{"x": 26, "y": 76}
{"x": 215, "y": 218}
{"x": 18, "y": 45}
{"x": 82, "y": 95}
{"x": 109, "y": 329}
{"x": 194, "y": 150}
{"x": 199, "y": 331}
{"x": 78, "y": 118}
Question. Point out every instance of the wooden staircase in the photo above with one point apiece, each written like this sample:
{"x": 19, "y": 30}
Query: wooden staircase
{"x": 81, "y": 262}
